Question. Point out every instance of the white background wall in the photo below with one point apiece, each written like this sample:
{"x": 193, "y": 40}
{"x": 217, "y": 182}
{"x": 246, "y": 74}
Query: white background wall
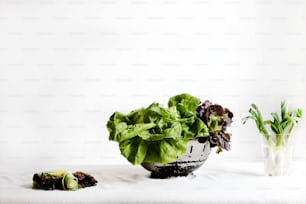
{"x": 67, "y": 65}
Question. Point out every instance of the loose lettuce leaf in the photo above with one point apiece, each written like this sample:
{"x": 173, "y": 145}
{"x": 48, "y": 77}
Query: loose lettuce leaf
{"x": 185, "y": 104}
{"x": 173, "y": 132}
{"x": 166, "y": 151}
{"x": 137, "y": 150}
{"x": 215, "y": 123}
{"x": 120, "y": 130}
{"x": 195, "y": 129}
{"x": 136, "y": 116}
{"x": 134, "y": 150}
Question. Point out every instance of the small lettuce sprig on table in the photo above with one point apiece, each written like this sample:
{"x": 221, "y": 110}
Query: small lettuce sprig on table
{"x": 158, "y": 134}
{"x": 62, "y": 180}
{"x": 281, "y": 125}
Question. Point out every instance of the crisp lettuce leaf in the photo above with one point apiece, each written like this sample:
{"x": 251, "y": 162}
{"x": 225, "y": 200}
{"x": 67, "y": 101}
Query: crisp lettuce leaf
{"x": 201, "y": 130}
{"x": 185, "y": 104}
{"x": 165, "y": 151}
{"x": 134, "y": 149}
{"x": 136, "y": 116}
{"x": 173, "y": 132}
{"x": 120, "y": 130}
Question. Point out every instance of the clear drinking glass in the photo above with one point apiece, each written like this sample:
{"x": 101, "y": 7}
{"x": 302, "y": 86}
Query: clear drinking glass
{"x": 278, "y": 158}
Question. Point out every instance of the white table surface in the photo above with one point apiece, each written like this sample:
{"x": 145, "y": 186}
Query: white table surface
{"x": 234, "y": 182}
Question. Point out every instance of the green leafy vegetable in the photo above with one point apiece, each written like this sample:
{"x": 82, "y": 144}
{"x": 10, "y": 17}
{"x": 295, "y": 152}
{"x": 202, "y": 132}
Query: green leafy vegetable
{"x": 158, "y": 134}
{"x": 281, "y": 125}
{"x": 155, "y": 133}
{"x": 217, "y": 119}
{"x": 185, "y": 104}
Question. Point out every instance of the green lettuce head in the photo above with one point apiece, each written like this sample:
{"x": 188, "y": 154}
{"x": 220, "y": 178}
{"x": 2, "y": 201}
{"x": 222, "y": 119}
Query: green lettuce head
{"x": 155, "y": 133}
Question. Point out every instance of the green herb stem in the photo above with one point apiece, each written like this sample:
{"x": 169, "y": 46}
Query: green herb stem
{"x": 282, "y": 125}
{"x": 279, "y": 140}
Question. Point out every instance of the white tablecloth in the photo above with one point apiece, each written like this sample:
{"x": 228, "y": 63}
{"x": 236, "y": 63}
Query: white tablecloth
{"x": 233, "y": 182}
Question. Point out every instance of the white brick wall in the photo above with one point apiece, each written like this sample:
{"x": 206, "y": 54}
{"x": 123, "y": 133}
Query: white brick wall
{"x": 66, "y": 66}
